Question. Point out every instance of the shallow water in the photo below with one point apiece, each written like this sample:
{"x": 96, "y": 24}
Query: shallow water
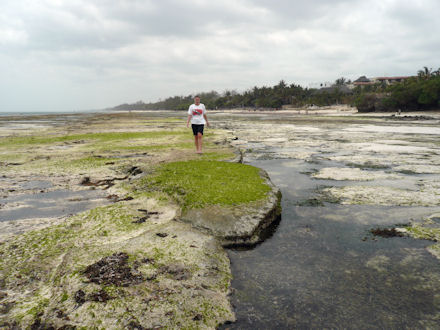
{"x": 49, "y": 204}
{"x": 323, "y": 268}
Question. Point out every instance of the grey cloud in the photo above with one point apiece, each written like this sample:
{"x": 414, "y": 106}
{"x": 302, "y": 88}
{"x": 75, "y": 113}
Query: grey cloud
{"x": 112, "y": 24}
{"x": 140, "y": 49}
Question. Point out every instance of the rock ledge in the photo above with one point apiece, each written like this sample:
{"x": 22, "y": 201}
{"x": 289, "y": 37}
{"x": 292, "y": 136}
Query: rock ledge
{"x": 239, "y": 224}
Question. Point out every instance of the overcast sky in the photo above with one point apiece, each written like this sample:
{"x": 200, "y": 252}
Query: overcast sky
{"x": 64, "y": 55}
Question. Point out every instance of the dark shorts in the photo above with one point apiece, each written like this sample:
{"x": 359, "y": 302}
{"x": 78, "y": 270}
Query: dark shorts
{"x": 197, "y": 128}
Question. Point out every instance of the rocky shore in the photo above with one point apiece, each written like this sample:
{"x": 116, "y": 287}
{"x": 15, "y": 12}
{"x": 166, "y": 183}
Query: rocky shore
{"x": 85, "y": 243}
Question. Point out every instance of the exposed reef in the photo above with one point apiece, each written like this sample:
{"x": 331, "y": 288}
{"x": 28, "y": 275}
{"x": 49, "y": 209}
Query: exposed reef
{"x": 130, "y": 262}
{"x": 240, "y": 224}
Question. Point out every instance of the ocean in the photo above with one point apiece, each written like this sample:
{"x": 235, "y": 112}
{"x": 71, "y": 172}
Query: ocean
{"x": 39, "y": 113}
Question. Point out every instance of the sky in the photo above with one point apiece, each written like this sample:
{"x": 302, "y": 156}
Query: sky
{"x": 69, "y": 55}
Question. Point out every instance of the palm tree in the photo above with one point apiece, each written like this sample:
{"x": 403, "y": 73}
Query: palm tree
{"x": 340, "y": 81}
{"x": 425, "y": 73}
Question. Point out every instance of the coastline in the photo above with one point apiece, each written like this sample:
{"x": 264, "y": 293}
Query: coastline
{"x": 105, "y": 162}
{"x": 185, "y": 273}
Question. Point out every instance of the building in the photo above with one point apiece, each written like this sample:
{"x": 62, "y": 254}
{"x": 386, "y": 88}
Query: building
{"x": 362, "y": 81}
{"x": 390, "y": 80}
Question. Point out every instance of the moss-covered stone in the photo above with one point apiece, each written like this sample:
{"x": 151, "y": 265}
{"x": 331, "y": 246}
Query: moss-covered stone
{"x": 232, "y": 201}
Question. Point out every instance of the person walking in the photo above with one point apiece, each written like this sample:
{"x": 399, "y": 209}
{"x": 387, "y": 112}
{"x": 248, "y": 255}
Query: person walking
{"x": 197, "y": 117}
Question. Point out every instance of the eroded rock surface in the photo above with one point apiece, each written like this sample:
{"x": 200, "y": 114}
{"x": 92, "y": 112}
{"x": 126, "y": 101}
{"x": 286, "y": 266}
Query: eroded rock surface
{"x": 99, "y": 269}
{"x": 241, "y": 224}
{"x": 106, "y": 267}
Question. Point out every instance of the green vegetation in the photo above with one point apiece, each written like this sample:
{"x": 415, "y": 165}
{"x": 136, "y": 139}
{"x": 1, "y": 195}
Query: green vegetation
{"x": 75, "y": 153}
{"x": 197, "y": 183}
{"x": 98, "y": 137}
{"x": 261, "y": 97}
{"x": 43, "y": 269}
{"x": 416, "y": 93}
{"x": 421, "y": 92}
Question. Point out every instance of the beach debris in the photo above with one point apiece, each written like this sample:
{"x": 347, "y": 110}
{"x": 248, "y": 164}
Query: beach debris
{"x": 86, "y": 181}
{"x": 99, "y": 296}
{"x": 141, "y": 220}
{"x": 80, "y": 297}
{"x": 61, "y": 314}
{"x": 148, "y": 214}
{"x": 134, "y": 170}
{"x": 387, "y": 232}
{"x": 115, "y": 198}
{"x": 113, "y": 269}
{"x": 41, "y": 325}
{"x": 162, "y": 235}
{"x": 134, "y": 325}
{"x": 147, "y": 260}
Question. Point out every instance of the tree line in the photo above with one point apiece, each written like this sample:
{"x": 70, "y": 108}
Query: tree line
{"x": 416, "y": 93}
{"x": 421, "y": 92}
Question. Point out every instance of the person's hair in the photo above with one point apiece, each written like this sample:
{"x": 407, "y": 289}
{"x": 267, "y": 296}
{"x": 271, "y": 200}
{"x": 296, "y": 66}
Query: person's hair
{"x": 196, "y": 96}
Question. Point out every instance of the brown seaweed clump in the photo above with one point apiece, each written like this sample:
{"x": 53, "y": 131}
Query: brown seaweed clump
{"x": 113, "y": 269}
{"x": 386, "y": 232}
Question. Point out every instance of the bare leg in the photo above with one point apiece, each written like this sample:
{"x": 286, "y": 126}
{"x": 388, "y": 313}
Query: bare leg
{"x": 196, "y": 142}
{"x": 199, "y": 143}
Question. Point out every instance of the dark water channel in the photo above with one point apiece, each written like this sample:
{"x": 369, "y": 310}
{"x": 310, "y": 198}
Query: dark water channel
{"x": 323, "y": 268}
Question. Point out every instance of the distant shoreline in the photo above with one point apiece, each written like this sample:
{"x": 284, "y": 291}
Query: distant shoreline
{"x": 335, "y": 110}
{"x": 340, "y": 110}
{"x": 43, "y": 113}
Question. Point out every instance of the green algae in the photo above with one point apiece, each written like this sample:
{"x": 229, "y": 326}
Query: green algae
{"x": 80, "y": 239}
{"x": 101, "y": 137}
{"x": 428, "y": 229}
{"x": 421, "y": 232}
{"x": 198, "y": 183}
{"x": 42, "y": 269}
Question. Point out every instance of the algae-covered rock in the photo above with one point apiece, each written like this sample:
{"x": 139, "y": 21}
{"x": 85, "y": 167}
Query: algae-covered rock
{"x": 129, "y": 264}
{"x": 231, "y": 201}
{"x": 241, "y": 224}
{"x": 101, "y": 269}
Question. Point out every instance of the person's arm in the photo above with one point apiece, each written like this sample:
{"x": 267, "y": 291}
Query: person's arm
{"x": 187, "y": 122}
{"x": 206, "y": 118}
{"x": 189, "y": 116}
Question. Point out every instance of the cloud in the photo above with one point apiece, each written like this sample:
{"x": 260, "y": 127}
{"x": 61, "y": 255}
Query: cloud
{"x": 92, "y": 54}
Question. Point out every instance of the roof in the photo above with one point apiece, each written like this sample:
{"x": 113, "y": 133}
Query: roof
{"x": 392, "y": 78}
{"x": 362, "y": 79}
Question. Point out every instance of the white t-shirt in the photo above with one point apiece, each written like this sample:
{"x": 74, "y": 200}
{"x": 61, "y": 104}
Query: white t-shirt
{"x": 197, "y": 112}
